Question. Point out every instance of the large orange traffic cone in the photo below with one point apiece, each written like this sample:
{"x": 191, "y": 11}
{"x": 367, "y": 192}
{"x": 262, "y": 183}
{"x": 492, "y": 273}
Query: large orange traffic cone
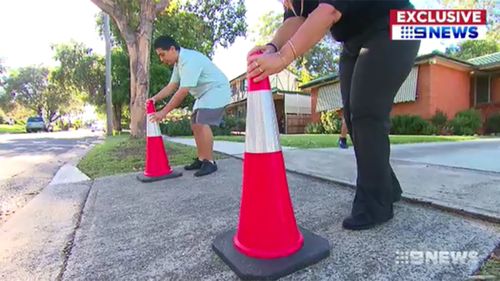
{"x": 157, "y": 166}
{"x": 267, "y": 244}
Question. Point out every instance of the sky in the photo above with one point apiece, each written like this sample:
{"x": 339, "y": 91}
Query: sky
{"x": 30, "y": 27}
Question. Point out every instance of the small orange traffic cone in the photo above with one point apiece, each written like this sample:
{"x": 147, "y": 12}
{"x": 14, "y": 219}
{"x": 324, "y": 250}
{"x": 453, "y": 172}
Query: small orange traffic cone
{"x": 267, "y": 244}
{"x": 157, "y": 166}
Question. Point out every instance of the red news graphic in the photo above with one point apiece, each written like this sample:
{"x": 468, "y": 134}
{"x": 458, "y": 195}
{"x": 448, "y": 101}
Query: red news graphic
{"x": 437, "y": 24}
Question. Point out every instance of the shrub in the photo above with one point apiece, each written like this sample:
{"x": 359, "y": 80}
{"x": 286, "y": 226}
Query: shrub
{"x": 77, "y": 124}
{"x": 233, "y": 123}
{"x": 229, "y": 124}
{"x": 410, "y": 125}
{"x": 331, "y": 122}
{"x": 314, "y": 128}
{"x": 430, "y": 129}
{"x": 493, "y": 124}
{"x": 64, "y": 126}
{"x": 466, "y": 122}
{"x": 3, "y": 117}
{"x": 439, "y": 121}
{"x": 177, "y": 127}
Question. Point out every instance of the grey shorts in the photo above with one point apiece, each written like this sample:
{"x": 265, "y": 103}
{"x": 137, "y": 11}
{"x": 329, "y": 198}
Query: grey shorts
{"x": 208, "y": 116}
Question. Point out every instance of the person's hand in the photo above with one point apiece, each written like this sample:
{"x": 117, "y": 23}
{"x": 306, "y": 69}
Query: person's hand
{"x": 261, "y": 66}
{"x": 157, "y": 116}
{"x": 266, "y": 49}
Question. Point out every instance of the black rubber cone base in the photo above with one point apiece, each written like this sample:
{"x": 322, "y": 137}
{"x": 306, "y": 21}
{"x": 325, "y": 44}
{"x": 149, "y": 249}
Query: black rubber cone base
{"x": 173, "y": 174}
{"x": 315, "y": 248}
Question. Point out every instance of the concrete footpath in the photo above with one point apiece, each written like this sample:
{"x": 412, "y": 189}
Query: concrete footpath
{"x": 116, "y": 228}
{"x": 463, "y": 176}
{"x": 35, "y": 241}
{"x": 164, "y": 230}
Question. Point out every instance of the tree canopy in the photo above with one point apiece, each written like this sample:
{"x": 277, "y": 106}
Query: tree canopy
{"x": 208, "y": 23}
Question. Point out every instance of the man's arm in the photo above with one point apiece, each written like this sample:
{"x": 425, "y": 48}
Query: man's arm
{"x": 165, "y": 92}
{"x": 174, "y": 102}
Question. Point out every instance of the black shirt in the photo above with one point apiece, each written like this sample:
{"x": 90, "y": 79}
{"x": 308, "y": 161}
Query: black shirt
{"x": 357, "y": 15}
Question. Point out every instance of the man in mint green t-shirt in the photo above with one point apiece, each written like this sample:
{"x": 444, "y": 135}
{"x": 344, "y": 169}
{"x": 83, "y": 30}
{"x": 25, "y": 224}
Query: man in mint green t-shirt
{"x": 194, "y": 74}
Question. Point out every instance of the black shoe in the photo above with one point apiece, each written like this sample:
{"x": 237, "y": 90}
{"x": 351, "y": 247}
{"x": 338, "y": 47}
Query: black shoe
{"x": 343, "y": 143}
{"x": 194, "y": 166}
{"x": 362, "y": 221}
{"x": 207, "y": 168}
{"x": 396, "y": 197}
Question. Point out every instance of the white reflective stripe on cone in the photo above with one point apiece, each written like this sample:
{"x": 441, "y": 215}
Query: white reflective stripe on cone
{"x": 153, "y": 129}
{"x": 262, "y": 133}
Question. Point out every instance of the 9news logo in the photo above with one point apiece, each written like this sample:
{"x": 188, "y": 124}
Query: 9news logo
{"x": 437, "y": 24}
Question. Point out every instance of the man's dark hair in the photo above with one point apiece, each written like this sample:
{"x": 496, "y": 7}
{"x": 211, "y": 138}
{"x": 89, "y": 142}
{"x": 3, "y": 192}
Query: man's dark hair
{"x": 165, "y": 42}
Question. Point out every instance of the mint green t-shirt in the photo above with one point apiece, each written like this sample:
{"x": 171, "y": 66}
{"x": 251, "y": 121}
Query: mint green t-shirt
{"x": 204, "y": 80}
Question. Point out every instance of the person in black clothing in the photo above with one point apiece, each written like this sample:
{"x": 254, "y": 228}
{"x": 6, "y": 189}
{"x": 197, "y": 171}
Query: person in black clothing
{"x": 372, "y": 69}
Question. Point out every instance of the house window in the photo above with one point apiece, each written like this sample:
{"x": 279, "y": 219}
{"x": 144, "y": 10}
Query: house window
{"x": 243, "y": 85}
{"x": 482, "y": 89}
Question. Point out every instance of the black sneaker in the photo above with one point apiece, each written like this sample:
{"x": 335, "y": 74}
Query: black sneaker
{"x": 343, "y": 143}
{"x": 207, "y": 168}
{"x": 194, "y": 166}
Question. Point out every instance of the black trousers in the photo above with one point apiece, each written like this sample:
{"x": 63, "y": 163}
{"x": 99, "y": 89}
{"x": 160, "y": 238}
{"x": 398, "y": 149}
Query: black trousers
{"x": 372, "y": 69}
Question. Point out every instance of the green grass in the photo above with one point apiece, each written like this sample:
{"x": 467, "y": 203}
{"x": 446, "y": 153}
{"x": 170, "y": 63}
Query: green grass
{"x": 320, "y": 141}
{"x": 14, "y": 129}
{"x": 122, "y": 154}
{"x": 491, "y": 268}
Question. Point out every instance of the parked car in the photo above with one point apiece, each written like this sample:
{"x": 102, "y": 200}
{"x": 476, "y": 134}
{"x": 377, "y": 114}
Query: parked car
{"x": 97, "y": 126}
{"x": 35, "y": 124}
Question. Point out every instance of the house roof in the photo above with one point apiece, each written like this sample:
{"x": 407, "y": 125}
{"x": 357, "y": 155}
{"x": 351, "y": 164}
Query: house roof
{"x": 319, "y": 81}
{"x": 420, "y": 59}
{"x": 239, "y": 76}
{"x": 479, "y": 62}
{"x": 426, "y": 57}
{"x": 486, "y": 60}
{"x": 280, "y": 91}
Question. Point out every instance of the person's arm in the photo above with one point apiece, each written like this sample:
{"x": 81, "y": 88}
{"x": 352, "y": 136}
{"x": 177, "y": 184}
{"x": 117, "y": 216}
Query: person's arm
{"x": 307, "y": 35}
{"x": 289, "y": 27}
{"x": 171, "y": 87}
{"x": 282, "y": 35}
{"x": 174, "y": 102}
{"x": 317, "y": 24}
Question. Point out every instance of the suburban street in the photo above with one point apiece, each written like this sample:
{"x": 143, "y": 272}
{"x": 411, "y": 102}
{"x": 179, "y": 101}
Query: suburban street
{"x": 29, "y": 161}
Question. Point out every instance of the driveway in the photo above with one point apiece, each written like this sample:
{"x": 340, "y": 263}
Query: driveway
{"x": 478, "y": 155}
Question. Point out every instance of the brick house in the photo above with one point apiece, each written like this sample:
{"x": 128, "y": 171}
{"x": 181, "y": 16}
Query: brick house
{"x": 436, "y": 82}
{"x": 293, "y": 107}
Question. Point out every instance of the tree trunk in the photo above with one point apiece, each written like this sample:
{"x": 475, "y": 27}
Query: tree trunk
{"x": 138, "y": 45}
{"x": 137, "y": 94}
{"x": 117, "y": 117}
{"x": 139, "y": 52}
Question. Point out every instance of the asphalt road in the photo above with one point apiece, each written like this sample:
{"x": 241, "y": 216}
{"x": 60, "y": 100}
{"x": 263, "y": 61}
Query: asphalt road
{"x": 29, "y": 161}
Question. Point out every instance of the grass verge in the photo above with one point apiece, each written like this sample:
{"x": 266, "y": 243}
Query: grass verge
{"x": 14, "y": 129}
{"x": 321, "y": 141}
{"x": 123, "y": 154}
{"x": 491, "y": 269}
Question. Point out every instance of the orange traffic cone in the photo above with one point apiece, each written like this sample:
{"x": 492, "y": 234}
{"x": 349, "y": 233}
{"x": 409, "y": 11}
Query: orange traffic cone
{"x": 156, "y": 166}
{"x": 267, "y": 244}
